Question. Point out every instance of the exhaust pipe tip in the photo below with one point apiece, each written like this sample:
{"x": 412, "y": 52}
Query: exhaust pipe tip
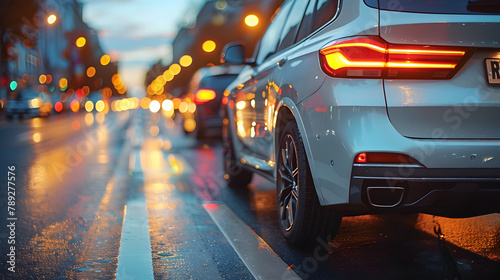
{"x": 385, "y": 197}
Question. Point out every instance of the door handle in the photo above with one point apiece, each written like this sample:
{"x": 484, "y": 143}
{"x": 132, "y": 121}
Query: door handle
{"x": 282, "y": 62}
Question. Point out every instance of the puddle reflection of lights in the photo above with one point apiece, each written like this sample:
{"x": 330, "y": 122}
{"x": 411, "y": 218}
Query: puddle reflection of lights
{"x": 100, "y": 117}
{"x": 154, "y": 130}
{"x": 240, "y": 105}
{"x": 189, "y": 125}
{"x": 167, "y": 145}
{"x": 75, "y": 125}
{"x": 37, "y": 137}
{"x": 177, "y": 166}
{"x": 191, "y": 107}
{"x": 89, "y": 119}
{"x": 36, "y": 123}
{"x": 102, "y": 158}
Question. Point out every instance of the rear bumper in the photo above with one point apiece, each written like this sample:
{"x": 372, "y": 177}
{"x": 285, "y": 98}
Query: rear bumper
{"x": 449, "y": 192}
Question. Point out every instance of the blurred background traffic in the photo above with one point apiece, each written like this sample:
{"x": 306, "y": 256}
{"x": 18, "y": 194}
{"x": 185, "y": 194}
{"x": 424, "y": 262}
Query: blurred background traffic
{"x": 64, "y": 57}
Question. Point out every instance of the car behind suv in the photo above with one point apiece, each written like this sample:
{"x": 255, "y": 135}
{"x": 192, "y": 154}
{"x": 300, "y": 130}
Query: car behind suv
{"x": 205, "y": 91}
{"x": 357, "y": 107}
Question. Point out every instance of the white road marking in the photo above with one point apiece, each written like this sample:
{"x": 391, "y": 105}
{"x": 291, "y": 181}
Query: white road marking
{"x": 259, "y": 258}
{"x": 135, "y": 258}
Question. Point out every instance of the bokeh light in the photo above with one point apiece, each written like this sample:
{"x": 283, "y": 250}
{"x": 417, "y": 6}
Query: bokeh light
{"x": 42, "y": 79}
{"x": 185, "y": 60}
{"x": 99, "y": 106}
{"x": 105, "y": 59}
{"x": 145, "y": 101}
{"x": 91, "y": 71}
{"x": 154, "y": 106}
{"x": 167, "y": 105}
{"x": 175, "y": 68}
{"x": 74, "y": 106}
{"x": 80, "y": 42}
{"x": 89, "y": 106}
{"x": 51, "y": 19}
{"x": 251, "y": 20}
{"x": 106, "y": 92}
{"x": 13, "y": 85}
{"x": 208, "y": 46}
{"x": 63, "y": 83}
{"x": 221, "y": 4}
{"x": 59, "y": 106}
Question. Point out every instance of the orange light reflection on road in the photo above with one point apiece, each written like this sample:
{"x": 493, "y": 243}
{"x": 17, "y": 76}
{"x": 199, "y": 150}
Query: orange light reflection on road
{"x": 75, "y": 125}
{"x": 478, "y": 234}
{"x": 89, "y": 119}
{"x": 36, "y": 137}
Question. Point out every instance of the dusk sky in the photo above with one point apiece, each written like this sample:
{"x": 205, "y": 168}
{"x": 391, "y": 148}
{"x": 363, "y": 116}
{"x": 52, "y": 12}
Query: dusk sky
{"x": 138, "y": 32}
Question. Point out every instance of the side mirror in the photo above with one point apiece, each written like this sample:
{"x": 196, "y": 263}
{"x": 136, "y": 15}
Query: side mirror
{"x": 233, "y": 53}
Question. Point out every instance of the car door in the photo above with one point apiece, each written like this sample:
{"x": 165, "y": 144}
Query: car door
{"x": 250, "y": 110}
{"x": 266, "y": 102}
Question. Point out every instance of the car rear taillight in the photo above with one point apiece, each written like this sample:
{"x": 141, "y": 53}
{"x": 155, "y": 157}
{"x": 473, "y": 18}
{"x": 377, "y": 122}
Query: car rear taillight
{"x": 372, "y": 57}
{"x": 384, "y": 158}
{"x": 203, "y": 95}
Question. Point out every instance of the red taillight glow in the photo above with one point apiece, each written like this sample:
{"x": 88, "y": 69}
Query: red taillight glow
{"x": 384, "y": 158}
{"x": 371, "y": 57}
{"x": 203, "y": 95}
{"x": 59, "y": 106}
{"x": 361, "y": 158}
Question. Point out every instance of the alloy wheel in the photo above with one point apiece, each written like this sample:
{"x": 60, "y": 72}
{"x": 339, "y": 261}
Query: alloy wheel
{"x": 288, "y": 180}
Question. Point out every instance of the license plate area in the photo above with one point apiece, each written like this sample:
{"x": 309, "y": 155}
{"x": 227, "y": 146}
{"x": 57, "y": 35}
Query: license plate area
{"x": 493, "y": 71}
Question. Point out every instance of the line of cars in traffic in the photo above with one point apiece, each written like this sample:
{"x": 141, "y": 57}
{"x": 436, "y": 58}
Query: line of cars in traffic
{"x": 363, "y": 106}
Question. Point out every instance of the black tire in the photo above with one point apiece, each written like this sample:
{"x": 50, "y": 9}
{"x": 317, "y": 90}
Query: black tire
{"x": 236, "y": 176}
{"x": 303, "y": 221}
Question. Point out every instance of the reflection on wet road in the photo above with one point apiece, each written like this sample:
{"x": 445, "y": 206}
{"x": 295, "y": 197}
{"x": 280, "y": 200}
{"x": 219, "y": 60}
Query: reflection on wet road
{"x": 78, "y": 174}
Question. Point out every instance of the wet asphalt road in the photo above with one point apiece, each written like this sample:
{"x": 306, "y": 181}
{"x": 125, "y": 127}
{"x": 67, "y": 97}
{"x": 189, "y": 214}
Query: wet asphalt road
{"x": 79, "y": 177}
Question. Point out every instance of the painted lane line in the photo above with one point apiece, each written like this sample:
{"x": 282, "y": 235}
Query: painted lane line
{"x": 259, "y": 258}
{"x": 135, "y": 258}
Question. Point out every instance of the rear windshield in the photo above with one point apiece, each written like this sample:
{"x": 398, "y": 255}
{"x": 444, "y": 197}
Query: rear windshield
{"x": 217, "y": 83}
{"x": 442, "y": 6}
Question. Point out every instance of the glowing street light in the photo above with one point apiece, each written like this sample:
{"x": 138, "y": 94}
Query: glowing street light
{"x": 251, "y": 20}
{"x": 51, "y": 19}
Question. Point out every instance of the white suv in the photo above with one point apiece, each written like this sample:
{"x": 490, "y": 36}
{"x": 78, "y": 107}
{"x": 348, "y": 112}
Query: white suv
{"x": 364, "y": 106}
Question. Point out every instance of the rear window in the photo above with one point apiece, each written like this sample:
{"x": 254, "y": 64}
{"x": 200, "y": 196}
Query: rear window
{"x": 441, "y": 6}
{"x": 217, "y": 83}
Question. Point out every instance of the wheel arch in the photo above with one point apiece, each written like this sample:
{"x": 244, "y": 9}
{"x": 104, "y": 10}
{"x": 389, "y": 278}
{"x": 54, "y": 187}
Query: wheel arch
{"x": 286, "y": 111}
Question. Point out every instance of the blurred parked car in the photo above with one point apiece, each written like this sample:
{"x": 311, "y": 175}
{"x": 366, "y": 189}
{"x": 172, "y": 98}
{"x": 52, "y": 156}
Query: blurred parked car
{"x": 365, "y": 106}
{"x": 28, "y": 102}
{"x": 202, "y": 102}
